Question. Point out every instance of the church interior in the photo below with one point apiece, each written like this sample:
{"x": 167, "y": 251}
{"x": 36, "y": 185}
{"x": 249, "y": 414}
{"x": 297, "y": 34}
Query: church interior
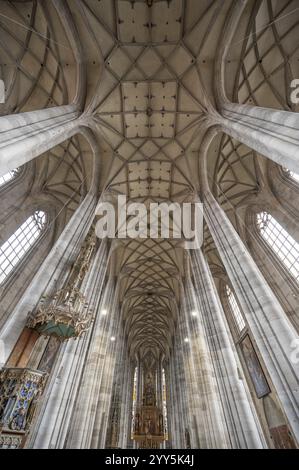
{"x": 137, "y": 342}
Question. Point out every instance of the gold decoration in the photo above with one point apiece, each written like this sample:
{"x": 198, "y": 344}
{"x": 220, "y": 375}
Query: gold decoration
{"x": 66, "y": 314}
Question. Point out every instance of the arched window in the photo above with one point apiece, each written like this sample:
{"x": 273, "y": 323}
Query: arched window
{"x": 236, "y": 313}
{"x": 8, "y": 176}
{"x": 13, "y": 250}
{"x": 283, "y": 245}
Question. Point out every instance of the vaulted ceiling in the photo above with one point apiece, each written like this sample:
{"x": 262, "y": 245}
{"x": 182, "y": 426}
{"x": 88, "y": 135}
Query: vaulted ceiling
{"x": 150, "y": 87}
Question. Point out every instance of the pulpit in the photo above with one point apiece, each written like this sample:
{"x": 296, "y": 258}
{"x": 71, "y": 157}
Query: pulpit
{"x": 19, "y": 392}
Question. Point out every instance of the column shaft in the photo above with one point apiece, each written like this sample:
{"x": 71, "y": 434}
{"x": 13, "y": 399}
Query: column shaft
{"x": 272, "y": 133}
{"x": 211, "y": 423}
{"x": 83, "y": 421}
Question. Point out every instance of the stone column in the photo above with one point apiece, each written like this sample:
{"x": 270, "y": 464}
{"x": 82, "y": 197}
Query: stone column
{"x": 272, "y": 133}
{"x": 272, "y": 331}
{"x": 126, "y": 403}
{"x": 169, "y": 410}
{"x": 170, "y": 407}
{"x": 103, "y": 403}
{"x": 88, "y": 428}
{"x": 190, "y": 390}
{"x": 128, "y": 443}
{"x": 173, "y": 408}
{"x": 211, "y": 429}
{"x": 84, "y": 417}
{"x": 25, "y": 136}
{"x": 243, "y": 428}
{"x": 159, "y": 383}
{"x": 62, "y": 255}
{"x": 115, "y": 430}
